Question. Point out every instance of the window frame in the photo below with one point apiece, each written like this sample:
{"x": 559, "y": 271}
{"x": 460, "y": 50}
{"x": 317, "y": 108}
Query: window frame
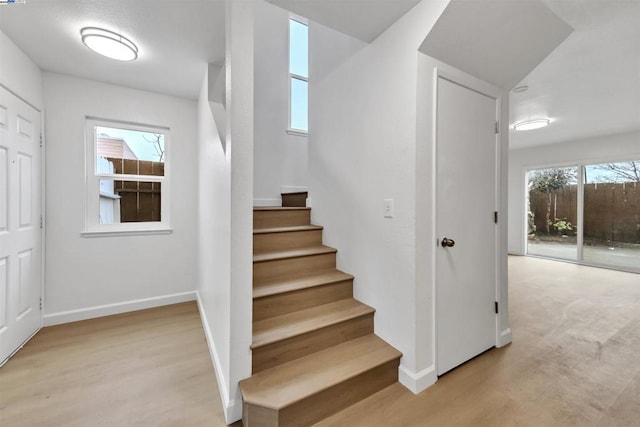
{"x": 291, "y": 130}
{"x": 581, "y": 165}
{"x": 93, "y": 227}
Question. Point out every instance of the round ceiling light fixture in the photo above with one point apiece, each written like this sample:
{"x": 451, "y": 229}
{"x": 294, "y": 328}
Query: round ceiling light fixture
{"x": 532, "y": 124}
{"x": 109, "y": 44}
{"x": 520, "y": 89}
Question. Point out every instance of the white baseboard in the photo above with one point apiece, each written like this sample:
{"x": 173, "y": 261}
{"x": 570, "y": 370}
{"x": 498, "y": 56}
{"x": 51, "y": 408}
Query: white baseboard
{"x": 116, "y": 308}
{"x": 417, "y": 382}
{"x": 267, "y": 202}
{"x": 505, "y": 337}
{"x": 293, "y": 189}
{"x": 232, "y": 409}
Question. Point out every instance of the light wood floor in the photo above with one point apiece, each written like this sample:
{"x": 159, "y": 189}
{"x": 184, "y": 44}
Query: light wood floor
{"x": 147, "y": 368}
{"x": 575, "y": 361}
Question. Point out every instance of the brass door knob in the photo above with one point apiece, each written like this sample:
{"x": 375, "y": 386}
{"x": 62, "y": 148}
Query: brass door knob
{"x": 447, "y": 243}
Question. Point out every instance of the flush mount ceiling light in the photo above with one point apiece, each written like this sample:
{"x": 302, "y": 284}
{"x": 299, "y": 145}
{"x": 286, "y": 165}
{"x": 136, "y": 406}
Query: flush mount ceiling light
{"x": 109, "y": 44}
{"x": 521, "y": 89}
{"x": 532, "y": 124}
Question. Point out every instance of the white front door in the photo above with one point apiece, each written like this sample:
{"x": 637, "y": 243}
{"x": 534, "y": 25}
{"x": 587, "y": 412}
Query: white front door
{"x": 466, "y": 201}
{"x": 20, "y": 233}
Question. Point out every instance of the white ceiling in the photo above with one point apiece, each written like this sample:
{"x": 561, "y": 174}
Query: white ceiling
{"x": 176, "y": 39}
{"x": 590, "y": 85}
{"x": 486, "y": 39}
{"x": 362, "y": 19}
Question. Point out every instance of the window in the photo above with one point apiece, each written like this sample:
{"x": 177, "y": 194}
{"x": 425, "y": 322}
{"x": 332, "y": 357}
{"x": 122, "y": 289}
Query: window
{"x": 611, "y": 219}
{"x": 553, "y": 212}
{"x": 586, "y": 213}
{"x": 298, "y": 76}
{"x": 127, "y": 188}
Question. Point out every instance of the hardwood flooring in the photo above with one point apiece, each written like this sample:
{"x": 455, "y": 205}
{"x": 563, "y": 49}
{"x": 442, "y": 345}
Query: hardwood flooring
{"x": 574, "y": 361}
{"x": 146, "y": 368}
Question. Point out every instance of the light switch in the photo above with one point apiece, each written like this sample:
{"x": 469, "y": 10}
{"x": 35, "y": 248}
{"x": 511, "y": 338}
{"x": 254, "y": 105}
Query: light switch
{"x": 388, "y": 208}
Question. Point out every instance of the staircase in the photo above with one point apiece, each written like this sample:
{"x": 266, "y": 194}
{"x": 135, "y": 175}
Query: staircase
{"x": 291, "y": 200}
{"x": 314, "y": 351}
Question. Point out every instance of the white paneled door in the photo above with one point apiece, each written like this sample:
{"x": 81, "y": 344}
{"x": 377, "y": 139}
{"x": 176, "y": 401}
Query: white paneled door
{"x": 466, "y": 148}
{"x": 20, "y": 232}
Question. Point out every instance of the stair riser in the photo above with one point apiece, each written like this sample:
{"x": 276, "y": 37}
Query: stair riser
{"x": 274, "y": 242}
{"x": 289, "y": 302}
{"x": 258, "y": 416}
{"x": 329, "y": 401}
{"x": 271, "y": 355}
{"x": 285, "y": 218}
{"x": 294, "y": 200}
{"x": 290, "y": 268}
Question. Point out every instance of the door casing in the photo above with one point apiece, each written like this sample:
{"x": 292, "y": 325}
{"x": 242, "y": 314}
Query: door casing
{"x": 502, "y": 337}
{"x": 41, "y": 214}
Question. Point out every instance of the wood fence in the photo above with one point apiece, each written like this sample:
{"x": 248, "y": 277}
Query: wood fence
{"x": 611, "y": 210}
{"x": 140, "y": 200}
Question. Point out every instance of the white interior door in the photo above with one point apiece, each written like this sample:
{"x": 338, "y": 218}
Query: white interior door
{"x": 20, "y": 233}
{"x": 466, "y": 201}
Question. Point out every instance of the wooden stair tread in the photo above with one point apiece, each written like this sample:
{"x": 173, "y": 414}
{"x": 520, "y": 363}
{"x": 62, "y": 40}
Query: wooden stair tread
{"x": 287, "y": 229}
{"x": 300, "y": 283}
{"x": 291, "y": 382}
{"x": 280, "y": 208}
{"x": 274, "y": 329}
{"x": 295, "y": 253}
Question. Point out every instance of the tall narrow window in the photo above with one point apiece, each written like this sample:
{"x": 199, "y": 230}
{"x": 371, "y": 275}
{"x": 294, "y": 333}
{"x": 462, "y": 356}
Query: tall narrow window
{"x": 298, "y": 76}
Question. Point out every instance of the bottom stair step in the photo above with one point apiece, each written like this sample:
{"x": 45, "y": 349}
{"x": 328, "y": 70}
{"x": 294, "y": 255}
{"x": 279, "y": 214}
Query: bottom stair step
{"x": 306, "y": 390}
{"x": 379, "y": 409}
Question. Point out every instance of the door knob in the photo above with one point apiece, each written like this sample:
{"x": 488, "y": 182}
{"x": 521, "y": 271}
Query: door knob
{"x": 447, "y": 243}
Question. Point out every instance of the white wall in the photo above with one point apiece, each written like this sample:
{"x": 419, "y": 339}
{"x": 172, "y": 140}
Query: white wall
{"x": 88, "y": 277}
{"x": 600, "y": 149}
{"x": 240, "y": 115}
{"x": 362, "y": 149}
{"x": 225, "y": 214}
{"x": 280, "y": 159}
{"x": 20, "y": 74}
{"x": 214, "y": 240}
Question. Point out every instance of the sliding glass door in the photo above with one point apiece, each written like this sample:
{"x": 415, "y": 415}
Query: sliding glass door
{"x": 587, "y": 213}
{"x": 552, "y": 217}
{"x": 612, "y": 215}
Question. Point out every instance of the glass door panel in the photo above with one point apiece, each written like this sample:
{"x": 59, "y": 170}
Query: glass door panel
{"x": 552, "y": 216}
{"x": 612, "y": 215}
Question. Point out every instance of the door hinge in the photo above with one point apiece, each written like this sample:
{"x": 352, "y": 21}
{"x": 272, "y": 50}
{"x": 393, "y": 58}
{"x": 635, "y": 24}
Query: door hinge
{"x": 40, "y": 140}
{"x": 40, "y": 303}
{"x": 497, "y": 127}
{"x": 496, "y": 307}
{"x": 495, "y": 217}
{"x": 41, "y": 222}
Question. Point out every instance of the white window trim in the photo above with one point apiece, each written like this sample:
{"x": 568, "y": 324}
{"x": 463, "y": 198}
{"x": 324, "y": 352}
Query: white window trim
{"x": 93, "y": 228}
{"x": 292, "y": 130}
